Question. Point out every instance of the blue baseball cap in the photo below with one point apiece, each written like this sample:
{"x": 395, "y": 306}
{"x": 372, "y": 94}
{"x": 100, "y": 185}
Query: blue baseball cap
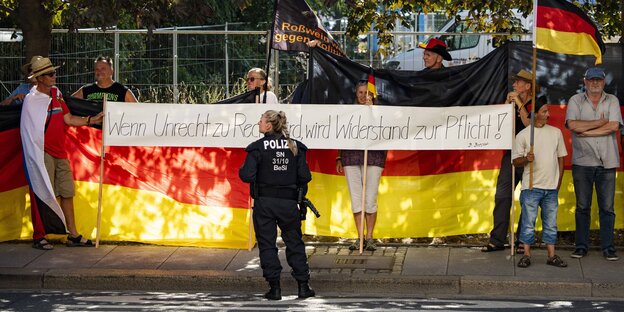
{"x": 595, "y": 73}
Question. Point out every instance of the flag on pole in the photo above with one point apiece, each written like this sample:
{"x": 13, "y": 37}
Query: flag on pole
{"x": 562, "y": 27}
{"x": 296, "y": 24}
{"x": 372, "y": 88}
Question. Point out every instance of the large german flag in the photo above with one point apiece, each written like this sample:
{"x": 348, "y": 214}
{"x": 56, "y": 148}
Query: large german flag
{"x": 564, "y": 28}
{"x": 193, "y": 196}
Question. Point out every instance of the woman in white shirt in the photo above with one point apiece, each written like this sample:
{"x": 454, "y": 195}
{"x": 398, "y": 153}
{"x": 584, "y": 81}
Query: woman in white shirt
{"x": 256, "y": 78}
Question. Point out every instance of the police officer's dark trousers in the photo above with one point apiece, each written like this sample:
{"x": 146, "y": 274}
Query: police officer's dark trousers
{"x": 267, "y": 213}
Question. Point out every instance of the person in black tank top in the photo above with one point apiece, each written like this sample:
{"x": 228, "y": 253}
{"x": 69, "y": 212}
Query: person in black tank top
{"x": 105, "y": 85}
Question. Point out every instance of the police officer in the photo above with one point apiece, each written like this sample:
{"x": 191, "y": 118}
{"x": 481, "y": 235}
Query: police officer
{"x": 276, "y": 167}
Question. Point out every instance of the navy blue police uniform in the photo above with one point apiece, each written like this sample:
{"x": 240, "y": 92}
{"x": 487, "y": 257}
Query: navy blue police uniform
{"x": 275, "y": 174}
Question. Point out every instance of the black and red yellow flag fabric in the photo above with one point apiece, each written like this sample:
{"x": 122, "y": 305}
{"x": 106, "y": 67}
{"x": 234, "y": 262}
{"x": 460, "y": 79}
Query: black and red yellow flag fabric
{"x": 564, "y": 28}
{"x": 372, "y": 88}
{"x": 193, "y": 197}
{"x": 296, "y": 24}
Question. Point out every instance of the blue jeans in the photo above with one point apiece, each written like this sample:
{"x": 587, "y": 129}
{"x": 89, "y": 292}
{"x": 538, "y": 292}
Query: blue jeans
{"x": 549, "y": 202}
{"x": 584, "y": 180}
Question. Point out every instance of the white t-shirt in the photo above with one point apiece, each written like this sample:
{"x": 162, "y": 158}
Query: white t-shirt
{"x": 548, "y": 147}
{"x": 271, "y": 98}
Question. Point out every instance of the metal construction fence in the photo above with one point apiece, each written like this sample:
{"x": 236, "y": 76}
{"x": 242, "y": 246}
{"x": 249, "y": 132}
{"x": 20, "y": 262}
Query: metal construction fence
{"x": 190, "y": 65}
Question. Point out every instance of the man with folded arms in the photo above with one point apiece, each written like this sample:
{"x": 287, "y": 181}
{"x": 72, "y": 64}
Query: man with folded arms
{"x": 594, "y": 118}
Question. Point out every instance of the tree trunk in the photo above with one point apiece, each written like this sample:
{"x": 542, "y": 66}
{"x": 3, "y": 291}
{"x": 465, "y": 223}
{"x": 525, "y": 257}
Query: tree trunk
{"x": 36, "y": 24}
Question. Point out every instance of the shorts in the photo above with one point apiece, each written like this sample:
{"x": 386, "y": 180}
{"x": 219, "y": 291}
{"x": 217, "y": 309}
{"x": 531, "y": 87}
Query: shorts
{"x": 354, "y": 182}
{"x": 60, "y": 175}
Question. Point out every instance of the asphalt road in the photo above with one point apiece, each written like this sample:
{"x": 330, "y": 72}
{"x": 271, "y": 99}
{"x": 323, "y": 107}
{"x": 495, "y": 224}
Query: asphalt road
{"x": 59, "y": 300}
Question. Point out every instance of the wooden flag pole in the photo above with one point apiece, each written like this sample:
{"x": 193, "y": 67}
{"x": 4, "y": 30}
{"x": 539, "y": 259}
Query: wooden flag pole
{"x": 533, "y": 104}
{"x": 102, "y": 154}
{"x": 533, "y": 80}
{"x": 363, "y": 201}
{"x": 250, "y": 218}
{"x": 513, "y": 186}
{"x": 251, "y": 200}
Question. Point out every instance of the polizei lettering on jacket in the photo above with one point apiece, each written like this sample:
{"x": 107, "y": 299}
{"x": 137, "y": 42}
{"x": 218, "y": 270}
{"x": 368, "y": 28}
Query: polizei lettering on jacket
{"x": 276, "y": 144}
{"x": 280, "y": 159}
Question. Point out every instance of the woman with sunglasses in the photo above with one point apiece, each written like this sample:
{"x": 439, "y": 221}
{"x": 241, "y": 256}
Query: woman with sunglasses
{"x": 257, "y": 79}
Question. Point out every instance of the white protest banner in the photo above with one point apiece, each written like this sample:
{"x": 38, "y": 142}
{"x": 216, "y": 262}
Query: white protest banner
{"x": 317, "y": 126}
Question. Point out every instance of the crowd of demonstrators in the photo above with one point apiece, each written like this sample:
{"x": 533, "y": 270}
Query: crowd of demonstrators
{"x": 351, "y": 162}
{"x": 17, "y": 96}
{"x": 44, "y": 122}
{"x": 275, "y": 190}
{"x": 521, "y": 97}
{"x": 540, "y": 191}
{"x": 105, "y": 85}
{"x": 595, "y": 120}
{"x": 593, "y": 117}
{"x": 257, "y": 79}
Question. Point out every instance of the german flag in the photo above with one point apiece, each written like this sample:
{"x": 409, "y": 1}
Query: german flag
{"x": 564, "y": 28}
{"x": 371, "y": 85}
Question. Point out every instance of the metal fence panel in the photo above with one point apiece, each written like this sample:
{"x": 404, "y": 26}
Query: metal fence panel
{"x": 174, "y": 65}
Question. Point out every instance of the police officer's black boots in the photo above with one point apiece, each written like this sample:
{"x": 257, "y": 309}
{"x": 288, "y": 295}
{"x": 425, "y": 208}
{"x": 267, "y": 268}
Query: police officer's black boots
{"x": 304, "y": 290}
{"x": 275, "y": 293}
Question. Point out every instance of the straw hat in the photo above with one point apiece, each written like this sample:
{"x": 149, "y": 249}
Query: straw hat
{"x": 527, "y": 76}
{"x": 26, "y": 67}
{"x": 41, "y": 66}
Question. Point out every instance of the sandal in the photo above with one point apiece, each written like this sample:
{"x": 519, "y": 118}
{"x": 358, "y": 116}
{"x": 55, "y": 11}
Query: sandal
{"x": 556, "y": 261}
{"x": 491, "y": 247}
{"x": 355, "y": 245}
{"x": 524, "y": 262}
{"x": 42, "y": 244}
{"x": 78, "y": 241}
{"x": 370, "y": 245}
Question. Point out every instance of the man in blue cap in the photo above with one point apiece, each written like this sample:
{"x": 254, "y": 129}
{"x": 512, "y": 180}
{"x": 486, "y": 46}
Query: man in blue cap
{"x": 595, "y": 119}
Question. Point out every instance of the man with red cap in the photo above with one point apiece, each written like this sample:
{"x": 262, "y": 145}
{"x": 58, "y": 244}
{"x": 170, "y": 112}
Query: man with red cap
{"x": 435, "y": 52}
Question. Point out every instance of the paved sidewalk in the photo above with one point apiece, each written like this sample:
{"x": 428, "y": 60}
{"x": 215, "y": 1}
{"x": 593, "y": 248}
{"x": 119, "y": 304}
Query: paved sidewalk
{"x": 419, "y": 271}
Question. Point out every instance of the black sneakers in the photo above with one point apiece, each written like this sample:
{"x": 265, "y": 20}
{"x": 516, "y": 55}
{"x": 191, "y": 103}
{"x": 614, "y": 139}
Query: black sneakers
{"x": 610, "y": 255}
{"x": 579, "y": 253}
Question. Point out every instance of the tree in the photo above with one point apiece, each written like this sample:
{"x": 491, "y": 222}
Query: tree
{"x": 494, "y": 15}
{"x": 36, "y": 17}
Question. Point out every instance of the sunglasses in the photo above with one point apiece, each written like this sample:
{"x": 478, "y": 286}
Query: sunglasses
{"x": 252, "y": 79}
{"x": 52, "y": 74}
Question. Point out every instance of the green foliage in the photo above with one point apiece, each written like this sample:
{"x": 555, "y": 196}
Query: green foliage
{"x": 484, "y": 16}
{"x": 608, "y": 16}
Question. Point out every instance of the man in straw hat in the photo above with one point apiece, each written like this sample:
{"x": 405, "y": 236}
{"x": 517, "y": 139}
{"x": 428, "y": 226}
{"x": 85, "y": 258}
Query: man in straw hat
{"x": 594, "y": 119}
{"x": 44, "y": 120}
{"x": 520, "y": 97}
{"x": 17, "y": 96}
{"x": 435, "y": 52}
